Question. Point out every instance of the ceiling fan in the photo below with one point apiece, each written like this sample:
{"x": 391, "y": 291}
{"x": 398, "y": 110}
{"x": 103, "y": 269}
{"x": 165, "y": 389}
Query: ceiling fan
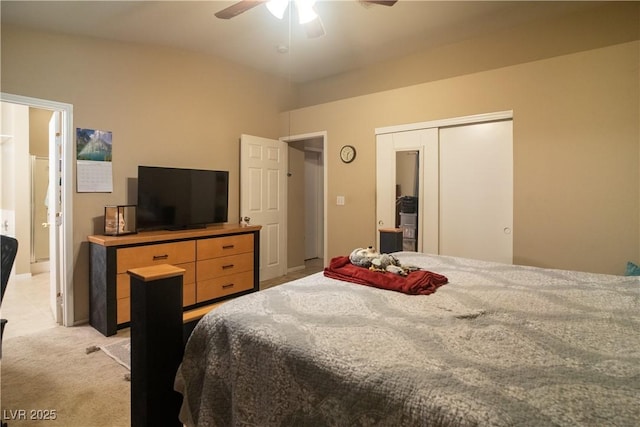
{"x": 306, "y": 13}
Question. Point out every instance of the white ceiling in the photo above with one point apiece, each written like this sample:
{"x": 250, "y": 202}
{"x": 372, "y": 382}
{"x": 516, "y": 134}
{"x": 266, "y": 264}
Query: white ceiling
{"x": 355, "y": 35}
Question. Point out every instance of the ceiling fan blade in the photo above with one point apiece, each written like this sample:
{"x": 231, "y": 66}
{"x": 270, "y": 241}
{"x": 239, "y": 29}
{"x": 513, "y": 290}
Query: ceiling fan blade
{"x": 380, "y": 2}
{"x": 314, "y": 28}
{"x": 238, "y": 8}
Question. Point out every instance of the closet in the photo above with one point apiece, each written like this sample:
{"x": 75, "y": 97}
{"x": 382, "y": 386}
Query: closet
{"x": 462, "y": 185}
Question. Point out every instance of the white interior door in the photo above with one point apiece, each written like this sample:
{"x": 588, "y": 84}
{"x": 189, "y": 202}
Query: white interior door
{"x": 476, "y": 191}
{"x": 263, "y": 169}
{"x": 54, "y": 204}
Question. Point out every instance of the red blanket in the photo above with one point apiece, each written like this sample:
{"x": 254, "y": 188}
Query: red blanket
{"x": 420, "y": 282}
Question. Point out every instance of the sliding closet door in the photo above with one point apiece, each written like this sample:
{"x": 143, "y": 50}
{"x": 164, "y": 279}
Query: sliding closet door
{"x": 476, "y": 191}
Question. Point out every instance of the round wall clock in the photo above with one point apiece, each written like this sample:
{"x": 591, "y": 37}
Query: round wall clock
{"x": 347, "y": 153}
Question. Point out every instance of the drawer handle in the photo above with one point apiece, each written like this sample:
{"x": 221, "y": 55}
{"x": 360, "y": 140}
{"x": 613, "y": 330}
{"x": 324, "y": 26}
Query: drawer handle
{"x": 159, "y": 257}
{"x": 227, "y": 286}
{"x": 224, "y": 267}
{"x": 227, "y": 247}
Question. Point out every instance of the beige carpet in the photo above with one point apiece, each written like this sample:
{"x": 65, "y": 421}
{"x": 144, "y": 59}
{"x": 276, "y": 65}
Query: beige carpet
{"x": 51, "y": 371}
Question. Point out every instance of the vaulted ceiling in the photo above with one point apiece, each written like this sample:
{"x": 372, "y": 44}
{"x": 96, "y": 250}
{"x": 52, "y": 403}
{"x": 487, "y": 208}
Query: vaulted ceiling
{"x": 356, "y": 34}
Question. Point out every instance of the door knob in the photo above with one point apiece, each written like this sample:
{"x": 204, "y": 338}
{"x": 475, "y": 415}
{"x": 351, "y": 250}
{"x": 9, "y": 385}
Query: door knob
{"x": 381, "y": 222}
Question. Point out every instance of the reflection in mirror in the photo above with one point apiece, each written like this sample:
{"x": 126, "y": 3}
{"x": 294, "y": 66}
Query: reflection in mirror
{"x": 407, "y": 186}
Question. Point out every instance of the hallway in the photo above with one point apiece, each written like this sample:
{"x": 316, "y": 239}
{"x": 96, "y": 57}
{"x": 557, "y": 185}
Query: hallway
{"x": 26, "y": 305}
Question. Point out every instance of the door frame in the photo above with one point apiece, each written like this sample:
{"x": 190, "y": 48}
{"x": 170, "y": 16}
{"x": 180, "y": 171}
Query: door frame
{"x": 455, "y": 121}
{"x": 325, "y": 142}
{"x": 66, "y": 245}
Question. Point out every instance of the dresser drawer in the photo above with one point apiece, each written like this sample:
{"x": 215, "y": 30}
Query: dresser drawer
{"x": 163, "y": 253}
{"x": 223, "y": 286}
{"x": 224, "y": 246}
{"x": 123, "y": 291}
{"x": 124, "y": 310}
{"x": 123, "y": 279}
{"x": 124, "y": 304}
{"x": 224, "y": 266}
{"x": 233, "y": 247}
{"x": 123, "y": 288}
{"x": 188, "y": 294}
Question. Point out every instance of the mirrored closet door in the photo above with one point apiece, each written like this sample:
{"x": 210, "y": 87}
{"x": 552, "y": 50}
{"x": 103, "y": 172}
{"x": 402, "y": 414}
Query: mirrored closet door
{"x": 451, "y": 187}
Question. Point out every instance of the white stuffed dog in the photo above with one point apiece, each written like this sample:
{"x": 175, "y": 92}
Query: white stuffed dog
{"x": 373, "y": 260}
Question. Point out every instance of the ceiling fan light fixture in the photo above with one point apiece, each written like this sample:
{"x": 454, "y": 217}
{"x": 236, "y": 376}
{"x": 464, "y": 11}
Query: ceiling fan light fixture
{"x": 305, "y": 11}
{"x": 277, "y": 7}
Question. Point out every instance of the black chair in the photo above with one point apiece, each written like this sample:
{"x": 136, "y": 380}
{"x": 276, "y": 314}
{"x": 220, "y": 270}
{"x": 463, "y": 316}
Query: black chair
{"x": 9, "y": 249}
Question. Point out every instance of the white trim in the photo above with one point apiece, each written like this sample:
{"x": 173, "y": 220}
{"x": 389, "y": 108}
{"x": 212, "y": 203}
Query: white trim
{"x": 294, "y": 269}
{"x": 310, "y": 135}
{"x": 81, "y": 322}
{"x": 67, "y": 193}
{"x": 325, "y": 183}
{"x": 40, "y": 267}
{"x": 455, "y": 121}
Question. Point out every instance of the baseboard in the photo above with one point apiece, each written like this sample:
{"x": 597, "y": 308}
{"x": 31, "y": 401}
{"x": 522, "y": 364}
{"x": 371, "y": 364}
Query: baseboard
{"x": 39, "y": 267}
{"x": 81, "y": 322}
{"x": 298, "y": 268}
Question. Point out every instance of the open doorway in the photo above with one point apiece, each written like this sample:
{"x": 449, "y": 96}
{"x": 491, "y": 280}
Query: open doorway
{"x": 286, "y": 180}
{"x": 17, "y": 200}
{"x": 306, "y": 206}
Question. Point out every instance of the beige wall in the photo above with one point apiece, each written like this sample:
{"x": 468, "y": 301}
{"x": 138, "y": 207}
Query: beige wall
{"x": 406, "y": 173}
{"x": 576, "y": 147}
{"x": 15, "y": 181}
{"x": 576, "y": 125}
{"x": 165, "y": 107}
{"x": 598, "y": 25}
{"x": 39, "y": 132}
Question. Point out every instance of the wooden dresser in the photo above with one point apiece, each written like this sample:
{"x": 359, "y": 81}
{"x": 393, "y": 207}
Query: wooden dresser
{"x": 220, "y": 262}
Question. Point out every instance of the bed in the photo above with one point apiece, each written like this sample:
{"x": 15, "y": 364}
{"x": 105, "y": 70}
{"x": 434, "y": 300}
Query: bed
{"x": 498, "y": 345}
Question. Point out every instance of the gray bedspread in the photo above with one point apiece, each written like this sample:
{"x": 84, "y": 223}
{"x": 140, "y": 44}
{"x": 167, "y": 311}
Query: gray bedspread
{"x": 498, "y": 345}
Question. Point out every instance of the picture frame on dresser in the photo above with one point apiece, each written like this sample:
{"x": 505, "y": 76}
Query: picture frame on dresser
{"x": 120, "y": 220}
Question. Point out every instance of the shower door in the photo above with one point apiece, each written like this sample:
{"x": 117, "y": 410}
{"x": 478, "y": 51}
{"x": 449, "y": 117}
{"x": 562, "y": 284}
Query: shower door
{"x": 39, "y": 209}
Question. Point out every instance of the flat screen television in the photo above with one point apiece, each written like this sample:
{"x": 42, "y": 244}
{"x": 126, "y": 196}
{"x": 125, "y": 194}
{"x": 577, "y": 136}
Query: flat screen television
{"x": 174, "y": 198}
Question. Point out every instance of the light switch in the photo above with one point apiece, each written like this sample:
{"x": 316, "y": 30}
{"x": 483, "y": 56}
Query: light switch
{"x": 340, "y": 200}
